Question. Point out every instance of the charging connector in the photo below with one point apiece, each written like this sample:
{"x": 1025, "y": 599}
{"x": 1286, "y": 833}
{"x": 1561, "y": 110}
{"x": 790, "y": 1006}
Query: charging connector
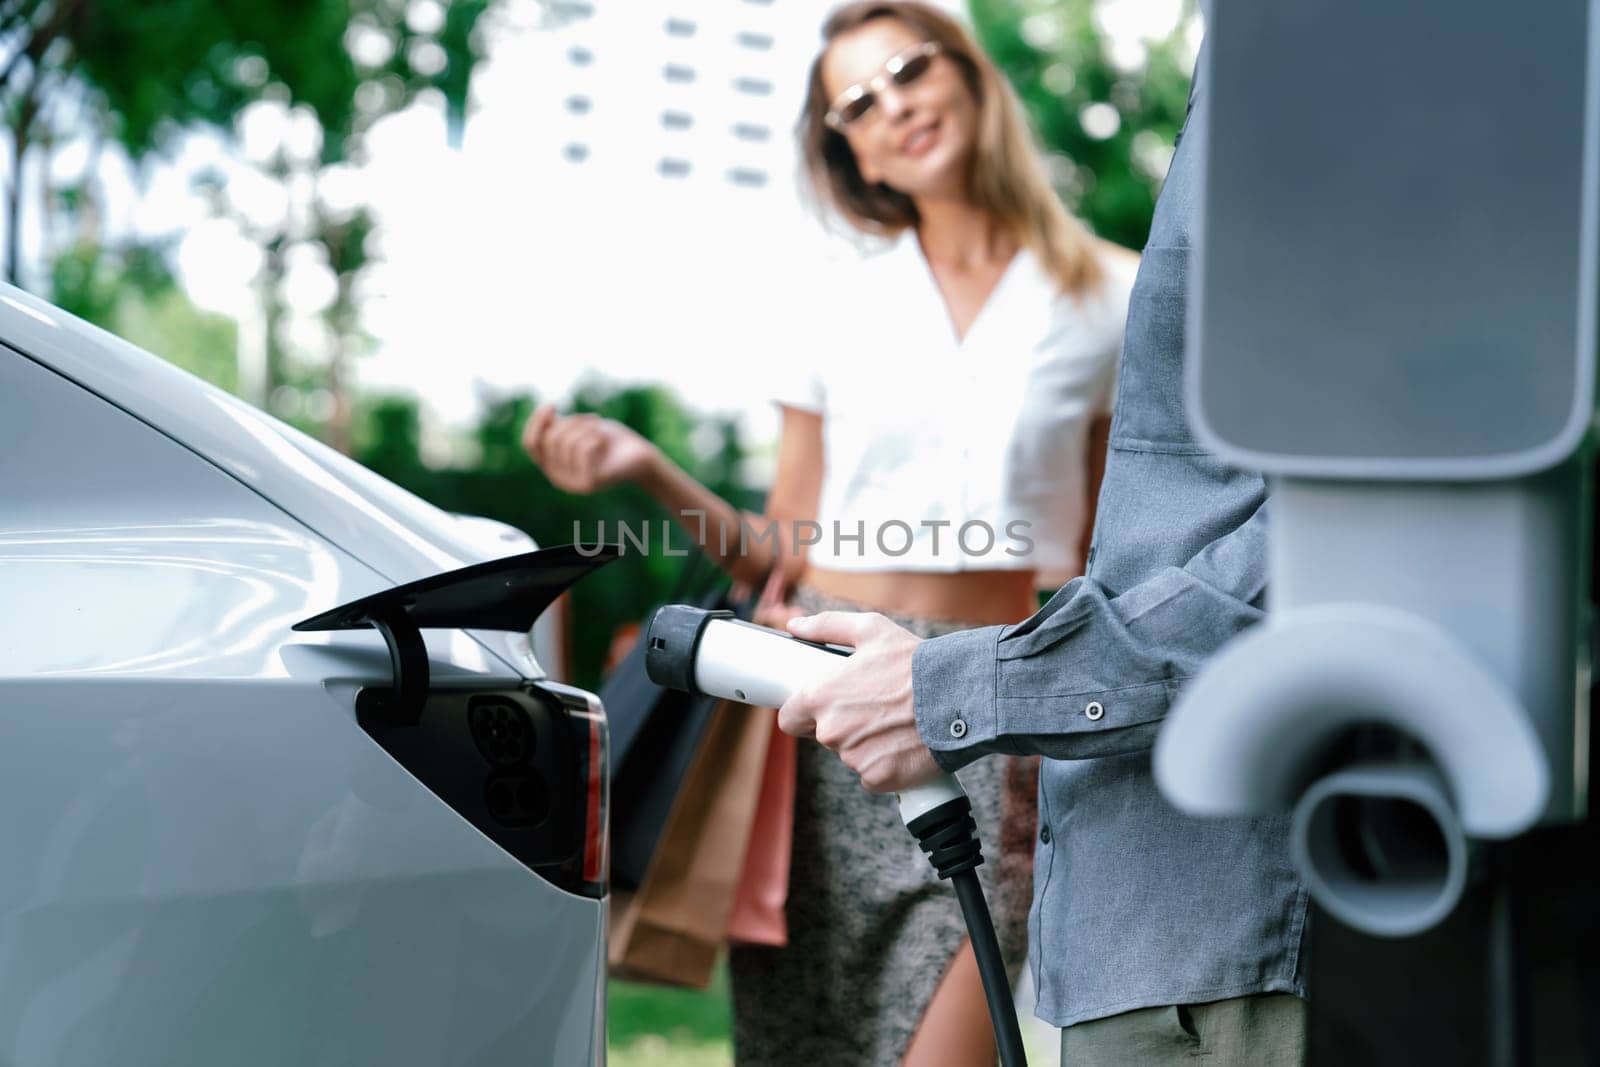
{"x": 699, "y": 651}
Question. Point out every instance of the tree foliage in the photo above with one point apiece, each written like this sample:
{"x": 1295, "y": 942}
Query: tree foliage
{"x": 138, "y": 71}
{"x": 131, "y": 292}
{"x": 1108, "y": 164}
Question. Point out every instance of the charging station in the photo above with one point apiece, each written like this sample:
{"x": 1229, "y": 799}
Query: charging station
{"x": 1393, "y": 318}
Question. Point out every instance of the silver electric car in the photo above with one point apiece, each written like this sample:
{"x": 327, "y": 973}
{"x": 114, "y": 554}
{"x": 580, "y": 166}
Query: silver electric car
{"x": 281, "y": 779}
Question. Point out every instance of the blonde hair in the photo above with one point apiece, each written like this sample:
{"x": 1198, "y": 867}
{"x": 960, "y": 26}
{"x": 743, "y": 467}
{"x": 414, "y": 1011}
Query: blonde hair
{"x": 1005, "y": 178}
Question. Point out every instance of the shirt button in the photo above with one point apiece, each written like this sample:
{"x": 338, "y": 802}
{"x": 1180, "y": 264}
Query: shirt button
{"x": 1044, "y": 834}
{"x": 958, "y": 729}
{"x": 1093, "y": 711}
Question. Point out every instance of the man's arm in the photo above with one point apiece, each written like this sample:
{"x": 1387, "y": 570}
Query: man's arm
{"x": 1089, "y": 674}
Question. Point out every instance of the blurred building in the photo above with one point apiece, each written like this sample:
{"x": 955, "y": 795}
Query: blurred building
{"x": 702, "y": 93}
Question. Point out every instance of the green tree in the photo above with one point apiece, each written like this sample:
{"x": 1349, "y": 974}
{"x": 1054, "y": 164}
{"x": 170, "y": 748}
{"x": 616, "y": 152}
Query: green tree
{"x": 130, "y": 292}
{"x": 1109, "y": 128}
{"x": 137, "y": 71}
{"x": 344, "y": 237}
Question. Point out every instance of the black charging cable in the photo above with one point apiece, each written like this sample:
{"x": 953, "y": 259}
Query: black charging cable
{"x": 949, "y": 835}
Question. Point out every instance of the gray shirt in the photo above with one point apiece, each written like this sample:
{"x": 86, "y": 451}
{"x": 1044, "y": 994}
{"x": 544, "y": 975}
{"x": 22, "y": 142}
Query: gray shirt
{"x": 1135, "y": 905}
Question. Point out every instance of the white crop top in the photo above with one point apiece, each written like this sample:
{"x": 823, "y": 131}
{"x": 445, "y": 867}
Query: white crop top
{"x": 946, "y": 455}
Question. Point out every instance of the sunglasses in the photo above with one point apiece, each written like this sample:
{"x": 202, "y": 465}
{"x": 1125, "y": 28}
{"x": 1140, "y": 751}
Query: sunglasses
{"x": 899, "y": 70}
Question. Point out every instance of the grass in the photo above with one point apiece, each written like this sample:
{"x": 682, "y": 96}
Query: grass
{"x": 655, "y": 1026}
{"x": 659, "y": 1052}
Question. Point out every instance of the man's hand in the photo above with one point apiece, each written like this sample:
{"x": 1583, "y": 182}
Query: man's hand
{"x": 864, "y": 712}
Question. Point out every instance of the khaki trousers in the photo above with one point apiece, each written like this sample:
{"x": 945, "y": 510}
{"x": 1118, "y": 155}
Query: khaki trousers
{"x": 1258, "y": 1031}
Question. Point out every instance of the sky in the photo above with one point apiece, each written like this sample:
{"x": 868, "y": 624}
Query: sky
{"x": 508, "y": 266}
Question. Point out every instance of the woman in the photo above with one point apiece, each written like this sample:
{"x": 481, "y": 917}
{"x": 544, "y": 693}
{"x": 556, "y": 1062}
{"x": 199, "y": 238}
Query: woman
{"x": 935, "y": 456}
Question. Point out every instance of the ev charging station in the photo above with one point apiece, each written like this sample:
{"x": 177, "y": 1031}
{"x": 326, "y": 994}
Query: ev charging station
{"x": 1393, "y": 317}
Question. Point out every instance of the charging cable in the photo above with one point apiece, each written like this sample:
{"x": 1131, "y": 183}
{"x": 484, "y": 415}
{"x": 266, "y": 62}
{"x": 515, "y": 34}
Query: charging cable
{"x": 711, "y": 652}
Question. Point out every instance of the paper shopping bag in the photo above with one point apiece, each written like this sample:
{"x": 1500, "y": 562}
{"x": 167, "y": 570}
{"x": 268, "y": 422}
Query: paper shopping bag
{"x": 672, "y": 929}
{"x": 758, "y": 904}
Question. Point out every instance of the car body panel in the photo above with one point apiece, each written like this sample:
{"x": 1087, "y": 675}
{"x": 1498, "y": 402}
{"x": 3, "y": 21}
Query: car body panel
{"x": 216, "y": 872}
{"x": 206, "y": 858}
{"x": 396, "y": 533}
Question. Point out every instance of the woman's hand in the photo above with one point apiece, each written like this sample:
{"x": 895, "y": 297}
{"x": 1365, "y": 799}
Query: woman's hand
{"x": 585, "y": 453}
{"x": 772, "y": 610}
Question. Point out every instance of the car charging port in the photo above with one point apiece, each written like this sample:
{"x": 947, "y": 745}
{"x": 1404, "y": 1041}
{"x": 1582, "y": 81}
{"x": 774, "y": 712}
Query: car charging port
{"x": 518, "y": 764}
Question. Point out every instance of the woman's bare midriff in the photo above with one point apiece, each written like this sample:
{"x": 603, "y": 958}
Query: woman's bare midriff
{"x": 987, "y": 597}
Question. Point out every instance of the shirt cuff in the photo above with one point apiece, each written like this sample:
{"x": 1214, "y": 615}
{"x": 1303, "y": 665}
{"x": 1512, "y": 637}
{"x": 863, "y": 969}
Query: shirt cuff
{"x": 1088, "y": 725}
{"x": 953, "y": 694}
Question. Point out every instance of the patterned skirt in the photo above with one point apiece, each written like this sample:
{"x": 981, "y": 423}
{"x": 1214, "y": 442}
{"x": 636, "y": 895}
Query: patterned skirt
{"x": 871, "y": 927}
